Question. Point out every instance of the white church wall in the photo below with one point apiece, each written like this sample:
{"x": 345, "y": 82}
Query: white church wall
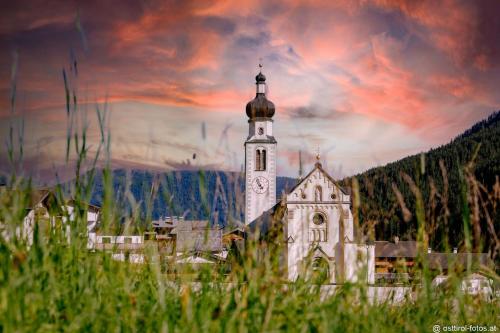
{"x": 359, "y": 261}
{"x": 260, "y": 200}
{"x": 317, "y": 194}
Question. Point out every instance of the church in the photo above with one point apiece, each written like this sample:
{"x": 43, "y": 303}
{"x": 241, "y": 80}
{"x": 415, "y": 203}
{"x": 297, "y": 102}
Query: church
{"x": 314, "y": 219}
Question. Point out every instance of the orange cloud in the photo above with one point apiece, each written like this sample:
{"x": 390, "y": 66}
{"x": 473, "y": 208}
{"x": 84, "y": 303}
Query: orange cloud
{"x": 427, "y": 67}
{"x": 453, "y": 26}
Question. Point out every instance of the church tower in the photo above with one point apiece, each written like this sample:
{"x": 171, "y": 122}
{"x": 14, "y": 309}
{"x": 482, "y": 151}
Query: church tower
{"x": 260, "y": 154}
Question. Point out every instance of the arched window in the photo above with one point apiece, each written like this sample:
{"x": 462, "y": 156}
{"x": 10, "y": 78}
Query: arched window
{"x": 264, "y": 160}
{"x": 321, "y": 269}
{"x": 257, "y": 160}
{"x": 260, "y": 159}
{"x": 318, "y": 193}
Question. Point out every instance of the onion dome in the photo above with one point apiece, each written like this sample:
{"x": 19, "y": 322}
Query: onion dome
{"x": 260, "y": 106}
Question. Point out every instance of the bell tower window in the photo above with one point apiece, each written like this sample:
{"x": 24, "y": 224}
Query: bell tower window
{"x": 257, "y": 160}
{"x": 263, "y": 166}
{"x": 260, "y": 159}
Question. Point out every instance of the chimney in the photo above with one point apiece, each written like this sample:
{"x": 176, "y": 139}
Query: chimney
{"x": 455, "y": 250}
{"x": 396, "y": 239}
{"x": 429, "y": 250}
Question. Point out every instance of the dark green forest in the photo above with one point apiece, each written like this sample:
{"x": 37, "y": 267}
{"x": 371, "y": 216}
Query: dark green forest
{"x": 459, "y": 188}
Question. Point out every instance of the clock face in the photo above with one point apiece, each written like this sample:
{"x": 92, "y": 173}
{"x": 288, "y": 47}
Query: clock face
{"x": 260, "y": 184}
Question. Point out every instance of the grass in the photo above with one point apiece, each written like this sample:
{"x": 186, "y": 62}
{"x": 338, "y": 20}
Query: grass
{"x": 55, "y": 286}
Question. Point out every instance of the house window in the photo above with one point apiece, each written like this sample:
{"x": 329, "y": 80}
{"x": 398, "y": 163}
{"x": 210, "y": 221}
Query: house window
{"x": 106, "y": 240}
{"x": 260, "y": 159}
{"x": 128, "y": 240}
{"x": 318, "y": 193}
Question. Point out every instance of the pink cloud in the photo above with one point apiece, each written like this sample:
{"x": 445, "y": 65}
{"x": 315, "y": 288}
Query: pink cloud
{"x": 413, "y": 64}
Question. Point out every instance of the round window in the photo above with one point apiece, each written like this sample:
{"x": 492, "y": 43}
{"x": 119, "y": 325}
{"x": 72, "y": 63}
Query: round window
{"x": 318, "y": 219}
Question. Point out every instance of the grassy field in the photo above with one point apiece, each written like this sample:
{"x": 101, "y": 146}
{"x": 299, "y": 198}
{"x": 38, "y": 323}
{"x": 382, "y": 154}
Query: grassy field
{"x": 56, "y": 285}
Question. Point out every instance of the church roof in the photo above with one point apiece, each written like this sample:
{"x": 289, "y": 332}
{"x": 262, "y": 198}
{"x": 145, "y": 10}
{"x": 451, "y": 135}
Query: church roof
{"x": 318, "y": 166}
{"x": 260, "y": 106}
{"x": 268, "y": 219}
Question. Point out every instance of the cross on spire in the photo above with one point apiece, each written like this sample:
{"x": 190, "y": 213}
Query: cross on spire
{"x": 260, "y": 65}
{"x": 318, "y": 157}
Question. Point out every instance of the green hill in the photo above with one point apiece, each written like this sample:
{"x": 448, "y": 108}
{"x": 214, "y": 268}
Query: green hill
{"x": 457, "y": 183}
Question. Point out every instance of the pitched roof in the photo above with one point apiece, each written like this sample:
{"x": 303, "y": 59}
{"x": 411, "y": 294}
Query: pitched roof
{"x": 437, "y": 260}
{"x": 445, "y": 260}
{"x": 36, "y": 197}
{"x": 401, "y": 249}
{"x": 266, "y": 220}
{"x": 90, "y": 207}
{"x": 198, "y": 236}
{"x": 318, "y": 166}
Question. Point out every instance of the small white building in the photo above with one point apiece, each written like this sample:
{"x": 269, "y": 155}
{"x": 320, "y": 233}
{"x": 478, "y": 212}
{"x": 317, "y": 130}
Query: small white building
{"x": 46, "y": 210}
{"x": 474, "y": 284}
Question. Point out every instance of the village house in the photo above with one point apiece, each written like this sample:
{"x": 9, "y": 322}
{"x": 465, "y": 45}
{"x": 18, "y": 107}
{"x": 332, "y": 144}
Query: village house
{"x": 47, "y": 211}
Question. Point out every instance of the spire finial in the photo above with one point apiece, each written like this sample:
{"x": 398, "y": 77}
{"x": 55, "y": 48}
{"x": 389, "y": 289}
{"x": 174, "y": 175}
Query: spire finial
{"x": 318, "y": 157}
{"x": 260, "y": 65}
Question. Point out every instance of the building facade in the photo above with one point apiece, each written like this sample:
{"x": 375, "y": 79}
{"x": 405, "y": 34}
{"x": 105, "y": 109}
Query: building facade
{"x": 260, "y": 154}
{"x": 314, "y": 219}
{"x": 320, "y": 231}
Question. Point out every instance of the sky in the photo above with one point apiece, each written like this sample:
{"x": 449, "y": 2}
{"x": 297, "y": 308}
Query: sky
{"x": 364, "y": 82}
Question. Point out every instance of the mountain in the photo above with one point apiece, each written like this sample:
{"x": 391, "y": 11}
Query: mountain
{"x": 457, "y": 183}
{"x": 214, "y": 195}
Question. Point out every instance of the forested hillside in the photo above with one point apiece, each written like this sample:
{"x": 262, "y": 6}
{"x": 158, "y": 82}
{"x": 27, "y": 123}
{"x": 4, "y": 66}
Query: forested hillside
{"x": 457, "y": 183}
{"x": 214, "y": 195}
